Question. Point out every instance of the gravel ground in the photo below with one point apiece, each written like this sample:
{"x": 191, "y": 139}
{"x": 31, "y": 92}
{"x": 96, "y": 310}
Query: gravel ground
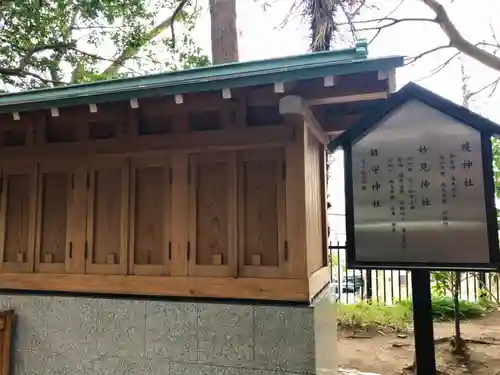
{"x": 343, "y": 371}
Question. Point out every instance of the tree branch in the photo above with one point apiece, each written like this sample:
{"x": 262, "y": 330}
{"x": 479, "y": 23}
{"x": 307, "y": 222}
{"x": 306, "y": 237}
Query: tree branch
{"x": 25, "y": 60}
{"x": 389, "y": 21}
{"x": 413, "y": 59}
{"x": 20, "y": 70}
{"x": 130, "y": 51}
{"x": 492, "y": 85}
{"x": 456, "y": 38}
{"x": 440, "y": 67}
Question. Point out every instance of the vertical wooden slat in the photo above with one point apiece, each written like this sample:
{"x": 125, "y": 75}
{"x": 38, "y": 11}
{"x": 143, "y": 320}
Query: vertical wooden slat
{"x": 124, "y": 217}
{"x": 295, "y": 203}
{"x": 82, "y": 130}
{"x": 261, "y": 213}
{"x": 30, "y": 133}
{"x": 179, "y": 216}
{"x": 193, "y": 214}
{"x": 53, "y": 205}
{"x": 89, "y": 239}
{"x": 324, "y": 203}
{"x": 22, "y": 200}
{"x": 314, "y": 204}
{"x": 180, "y": 123}
{"x": 282, "y": 218}
{"x": 211, "y": 227}
{"x": 80, "y": 218}
{"x": 240, "y": 109}
{"x": 132, "y": 218}
{"x": 149, "y": 215}
{"x": 40, "y": 130}
{"x": 232, "y": 222}
{"x": 3, "y": 214}
{"x": 166, "y": 214}
{"x": 101, "y": 211}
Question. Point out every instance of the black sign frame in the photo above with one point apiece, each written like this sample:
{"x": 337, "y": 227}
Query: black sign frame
{"x": 487, "y": 129}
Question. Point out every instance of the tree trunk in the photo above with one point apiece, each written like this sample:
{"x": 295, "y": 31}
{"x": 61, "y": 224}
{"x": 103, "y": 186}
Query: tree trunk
{"x": 224, "y": 32}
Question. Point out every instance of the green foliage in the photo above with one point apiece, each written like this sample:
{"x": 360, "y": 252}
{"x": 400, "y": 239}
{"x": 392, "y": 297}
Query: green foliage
{"x": 495, "y": 144}
{"x": 442, "y": 282}
{"x": 51, "y": 42}
{"x": 400, "y": 315}
{"x": 334, "y": 260}
{"x": 443, "y": 308}
{"x": 371, "y": 315}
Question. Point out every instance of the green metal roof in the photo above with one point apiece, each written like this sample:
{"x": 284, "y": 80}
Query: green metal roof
{"x": 252, "y": 73}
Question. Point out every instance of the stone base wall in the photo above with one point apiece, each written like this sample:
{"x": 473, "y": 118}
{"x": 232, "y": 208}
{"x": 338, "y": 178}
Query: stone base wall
{"x": 74, "y": 335}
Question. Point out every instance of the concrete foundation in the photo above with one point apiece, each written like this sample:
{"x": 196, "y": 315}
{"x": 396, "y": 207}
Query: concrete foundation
{"x": 76, "y": 335}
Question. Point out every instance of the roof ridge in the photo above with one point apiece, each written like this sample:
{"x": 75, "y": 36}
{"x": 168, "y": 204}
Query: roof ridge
{"x": 233, "y": 75}
{"x": 359, "y": 51}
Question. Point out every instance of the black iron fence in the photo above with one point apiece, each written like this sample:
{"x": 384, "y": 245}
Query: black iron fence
{"x": 389, "y": 286}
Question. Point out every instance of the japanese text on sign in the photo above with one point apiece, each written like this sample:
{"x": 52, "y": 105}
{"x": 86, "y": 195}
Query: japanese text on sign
{"x": 422, "y": 189}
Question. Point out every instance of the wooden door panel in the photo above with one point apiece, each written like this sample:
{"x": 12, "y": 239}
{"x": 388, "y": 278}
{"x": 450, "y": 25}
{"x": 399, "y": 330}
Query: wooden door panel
{"x": 261, "y": 213}
{"x": 17, "y": 217}
{"x": 107, "y": 216}
{"x": 150, "y": 246}
{"x": 55, "y": 204}
{"x": 212, "y": 249}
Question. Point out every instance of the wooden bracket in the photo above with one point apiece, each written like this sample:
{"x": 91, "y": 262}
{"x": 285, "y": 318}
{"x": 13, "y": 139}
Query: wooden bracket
{"x": 295, "y": 106}
{"x": 256, "y": 259}
{"x": 110, "y": 259}
{"x": 48, "y": 258}
{"x": 217, "y": 259}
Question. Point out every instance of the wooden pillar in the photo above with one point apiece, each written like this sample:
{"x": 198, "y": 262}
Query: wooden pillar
{"x": 295, "y": 197}
{"x": 306, "y": 205}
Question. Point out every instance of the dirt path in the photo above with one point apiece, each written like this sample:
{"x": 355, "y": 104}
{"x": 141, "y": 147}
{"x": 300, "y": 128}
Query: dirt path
{"x": 388, "y": 353}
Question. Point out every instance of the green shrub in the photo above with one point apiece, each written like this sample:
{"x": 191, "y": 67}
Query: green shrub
{"x": 365, "y": 315}
{"x": 400, "y": 315}
{"x": 443, "y": 308}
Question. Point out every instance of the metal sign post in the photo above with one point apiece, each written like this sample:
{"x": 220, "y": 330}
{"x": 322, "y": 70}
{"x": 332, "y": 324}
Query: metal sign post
{"x": 425, "y": 356}
{"x": 420, "y": 196}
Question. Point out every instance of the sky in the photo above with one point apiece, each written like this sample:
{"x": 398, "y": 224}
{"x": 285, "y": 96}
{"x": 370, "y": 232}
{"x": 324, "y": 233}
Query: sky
{"x": 262, "y": 35}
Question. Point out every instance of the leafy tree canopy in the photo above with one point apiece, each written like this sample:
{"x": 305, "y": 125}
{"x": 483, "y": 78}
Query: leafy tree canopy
{"x": 55, "y": 42}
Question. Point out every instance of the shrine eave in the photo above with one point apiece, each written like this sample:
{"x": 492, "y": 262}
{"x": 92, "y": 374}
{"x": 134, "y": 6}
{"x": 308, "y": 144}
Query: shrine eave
{"x": 413, "y": 91}
{"x": 225, "y": 76}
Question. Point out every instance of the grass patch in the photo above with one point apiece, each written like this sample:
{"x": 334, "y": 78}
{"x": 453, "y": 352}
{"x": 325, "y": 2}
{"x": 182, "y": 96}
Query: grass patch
{"x": 400, "y": 315}
{"x": 366, "y": 316}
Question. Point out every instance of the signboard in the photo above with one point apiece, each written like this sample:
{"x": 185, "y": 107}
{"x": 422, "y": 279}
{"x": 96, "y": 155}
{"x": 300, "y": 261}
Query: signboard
{"x": 417, "y": 192}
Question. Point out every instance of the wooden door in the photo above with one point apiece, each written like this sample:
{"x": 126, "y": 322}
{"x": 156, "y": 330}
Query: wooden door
{"x": 212, "y": 248}
{"x": 55, "y": 207}
{"x": 107, "y": 215}
{"x": 262, "y": 213}
{"x": 17, "y": 217}
{"x": 149, "y": 232}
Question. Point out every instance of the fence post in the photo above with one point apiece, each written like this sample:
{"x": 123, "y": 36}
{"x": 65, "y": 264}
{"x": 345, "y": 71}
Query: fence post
{"x": 369, "y": 288}
{"x": 482, "y": 284}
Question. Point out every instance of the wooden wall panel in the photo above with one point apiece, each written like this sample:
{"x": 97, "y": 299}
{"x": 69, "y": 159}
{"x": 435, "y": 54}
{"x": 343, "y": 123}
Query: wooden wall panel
{"x": 212, "y": 215}
{"x": 296, "y": 202}
{"x": 54, "y": 210}
{"x": 107, "y": 216}
{"x": 179, "y": 213}
{"x": 17, "y": 215}
{"x": 314, "y": 204}
{"x": 150, "y": 246}
{"x": 262, "y": 213}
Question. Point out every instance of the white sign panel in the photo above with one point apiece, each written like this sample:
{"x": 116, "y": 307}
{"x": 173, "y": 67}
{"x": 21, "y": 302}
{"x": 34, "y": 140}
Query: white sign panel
{"x": 418, "y": 190}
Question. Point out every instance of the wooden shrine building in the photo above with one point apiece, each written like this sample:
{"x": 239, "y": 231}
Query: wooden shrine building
{"x": 207, "y": 182}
